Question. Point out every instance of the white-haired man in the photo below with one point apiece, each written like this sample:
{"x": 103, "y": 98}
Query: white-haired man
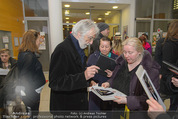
{"x": 67, "y": 75}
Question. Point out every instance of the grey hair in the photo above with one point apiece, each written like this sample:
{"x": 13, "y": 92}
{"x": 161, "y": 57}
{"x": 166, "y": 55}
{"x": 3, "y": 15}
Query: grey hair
{"x": 84, "y": 26}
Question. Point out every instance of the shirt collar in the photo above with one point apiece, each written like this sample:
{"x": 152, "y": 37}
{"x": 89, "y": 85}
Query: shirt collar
{"x": 109, "y": 55}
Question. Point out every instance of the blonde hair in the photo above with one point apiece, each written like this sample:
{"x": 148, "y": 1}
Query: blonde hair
{"x": 5, "y": 51}
{"x": 29, "y": 41}
{"x": 118, "y": 45}
{"x": 135, "y": 42}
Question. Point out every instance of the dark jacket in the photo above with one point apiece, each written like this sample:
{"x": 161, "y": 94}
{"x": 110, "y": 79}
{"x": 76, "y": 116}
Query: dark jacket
{"x": 32, "y": 78}
{"x": 12, "y": 61}
{"x": 169, "y": 54}
{"x": 95, "y": 46}
{"x": 96, "y": 103}
{"x": 66, "y": 78}
{"x": 92, "y": 60}
{"x": 158, "y": 51}
{"x": 136, "y": 100}
{"x": 168, "y": 115}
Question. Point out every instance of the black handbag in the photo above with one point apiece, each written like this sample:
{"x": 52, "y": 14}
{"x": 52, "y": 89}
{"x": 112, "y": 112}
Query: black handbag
{"x": 10, "y": 92}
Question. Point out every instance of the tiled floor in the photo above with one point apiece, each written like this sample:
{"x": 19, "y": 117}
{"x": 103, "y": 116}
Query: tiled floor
{"x": 45, "y": 97}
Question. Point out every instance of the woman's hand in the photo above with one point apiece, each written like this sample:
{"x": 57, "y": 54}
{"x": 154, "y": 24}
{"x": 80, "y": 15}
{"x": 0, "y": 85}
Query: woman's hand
{"x": 120, "y": 100}
{"x": 105, "y": 85}
{"x": 175, "y": 81}
{"x": 109, "y": 72}
{"x": 93, "y": 83}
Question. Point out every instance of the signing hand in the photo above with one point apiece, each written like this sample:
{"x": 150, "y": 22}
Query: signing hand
{"x": 105, "y": 85}
{"x": 120, "y": 100}
{"x": 93, "y": 83}
{"x": 91, "y": 71}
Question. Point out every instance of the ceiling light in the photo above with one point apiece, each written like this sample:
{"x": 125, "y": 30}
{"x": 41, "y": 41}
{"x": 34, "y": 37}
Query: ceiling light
{"x": 94, "y": 22}
{"x": 74, "y": 22}
{"x": 67, "y": 12}
{"x": 99, "y": 18}
{"x": 109, "y": 12}
{"x": 115, "y": 7}
{"x": 143, "y": 18}
{"x": 87, "y": 13}
{"x": 67, "y": 21}
{"x": 66, "y": 5}
{"x": 106, "y": 13}
{"x": 67, "y": 17}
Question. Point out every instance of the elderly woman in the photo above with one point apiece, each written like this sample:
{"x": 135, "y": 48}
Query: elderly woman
{"x": 105, "y": 46}
{"x": 124, "y": 77}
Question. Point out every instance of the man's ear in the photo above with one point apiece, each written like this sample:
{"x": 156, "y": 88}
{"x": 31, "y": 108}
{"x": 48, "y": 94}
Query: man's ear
{"x": 79, "y": 34}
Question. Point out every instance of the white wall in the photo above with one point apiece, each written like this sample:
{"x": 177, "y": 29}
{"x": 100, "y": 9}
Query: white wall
{"x": 115, "y": 19}
{"x": 128, "y": 19}
{"x": 125, "y": 20}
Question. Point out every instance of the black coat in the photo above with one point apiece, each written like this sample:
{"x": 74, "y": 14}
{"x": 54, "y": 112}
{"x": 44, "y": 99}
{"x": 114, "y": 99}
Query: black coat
{"x": 31, "y": 77}
{"x": 158, "y": 51}
{"x": 66, "y": 78}
{"x": 12, "y": 61}
{"x": 169, "y": 54}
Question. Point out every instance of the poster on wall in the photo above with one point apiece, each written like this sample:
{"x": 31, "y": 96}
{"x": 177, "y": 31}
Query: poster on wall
{"x": 164, "y": 34}
{"x": 155, "y": 39}
{"x": 42, "y": 41}
{"x": 6, "y": 46}
{"x": 125, "y": 31}
{"x": 5, "y": 39}
{"x": 20, "y": 40}
{"x": 16, "y": 42}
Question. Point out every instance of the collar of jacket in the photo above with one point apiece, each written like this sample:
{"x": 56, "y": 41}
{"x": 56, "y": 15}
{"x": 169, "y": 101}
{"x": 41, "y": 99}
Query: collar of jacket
{"x": 75, "y": 53}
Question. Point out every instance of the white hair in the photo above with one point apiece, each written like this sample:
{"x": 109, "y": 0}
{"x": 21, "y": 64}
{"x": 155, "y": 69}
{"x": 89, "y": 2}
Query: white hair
{"x": 83, "y": 26}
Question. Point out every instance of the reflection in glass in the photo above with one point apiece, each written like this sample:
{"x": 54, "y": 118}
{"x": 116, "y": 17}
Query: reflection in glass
{"x": 144, "y": 8}
{"x": 143, "y": 26}
{"x": 163, "y": 25}
{"x": 164, "y": 9}
{"x": 36, "y": 8}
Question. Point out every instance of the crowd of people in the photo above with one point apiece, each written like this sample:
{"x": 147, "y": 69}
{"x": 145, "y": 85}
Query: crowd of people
{"x": 71, "y": 72}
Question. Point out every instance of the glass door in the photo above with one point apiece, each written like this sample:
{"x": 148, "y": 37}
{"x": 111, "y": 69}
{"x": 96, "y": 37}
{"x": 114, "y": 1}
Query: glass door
{"x": 41, "y": 26}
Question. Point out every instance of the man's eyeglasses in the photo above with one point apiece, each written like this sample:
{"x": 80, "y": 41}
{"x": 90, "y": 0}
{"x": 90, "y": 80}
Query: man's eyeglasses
{"x": 91, "y": 38}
